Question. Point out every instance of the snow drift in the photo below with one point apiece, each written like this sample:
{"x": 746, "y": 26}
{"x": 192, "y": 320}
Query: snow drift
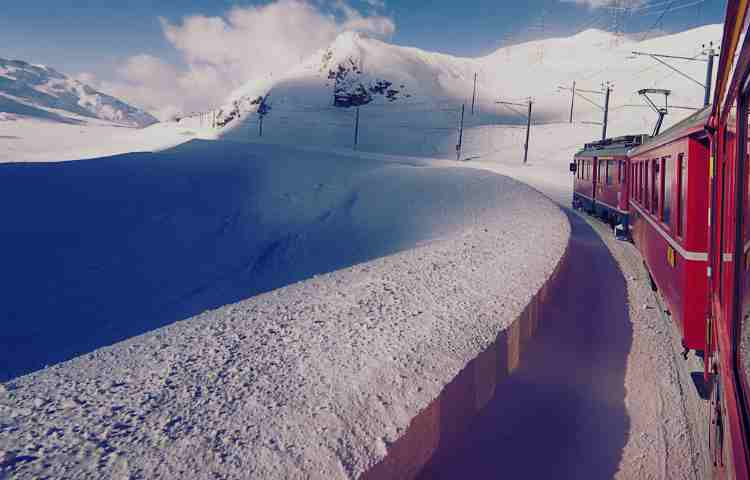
{"x": 315, "y": 378}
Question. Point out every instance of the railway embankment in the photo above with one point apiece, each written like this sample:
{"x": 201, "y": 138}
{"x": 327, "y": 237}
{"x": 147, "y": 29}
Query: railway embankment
{"x": 365, "y": 372}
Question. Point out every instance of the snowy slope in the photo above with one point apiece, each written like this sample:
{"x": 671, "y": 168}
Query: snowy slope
{"x": 410, "y": 100}
{"x": 42, "y": 92}
{"x": 332, "y": 369}
{"x": 418, "y": 111}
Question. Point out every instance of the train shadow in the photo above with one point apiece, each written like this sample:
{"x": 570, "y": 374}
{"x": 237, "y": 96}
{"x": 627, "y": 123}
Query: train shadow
{"x": 562, "y": 413}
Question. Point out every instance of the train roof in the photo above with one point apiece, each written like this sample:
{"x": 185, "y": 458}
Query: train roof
{"x": 610, "y": 147}
{"x": 695, "y": 123}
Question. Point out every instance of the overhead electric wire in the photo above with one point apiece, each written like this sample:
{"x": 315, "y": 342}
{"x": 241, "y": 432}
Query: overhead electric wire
{"x": 658, "y": 20}
{"x": 678, "y": 7}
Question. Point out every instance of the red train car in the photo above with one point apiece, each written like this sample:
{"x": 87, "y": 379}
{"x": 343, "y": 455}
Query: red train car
{"x": 601, "y": 173}
{"x": 728, "y": 348}
{"x": 668, "y": 205}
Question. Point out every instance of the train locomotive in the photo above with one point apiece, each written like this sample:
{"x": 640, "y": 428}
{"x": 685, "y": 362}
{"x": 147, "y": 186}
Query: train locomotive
{"x": 683, "y": 198}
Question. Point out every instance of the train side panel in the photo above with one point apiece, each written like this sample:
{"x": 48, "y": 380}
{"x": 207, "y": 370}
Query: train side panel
{"x": 674, "y": 249}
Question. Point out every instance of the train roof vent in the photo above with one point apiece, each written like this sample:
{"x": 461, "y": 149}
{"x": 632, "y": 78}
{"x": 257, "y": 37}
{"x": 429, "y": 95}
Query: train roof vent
{"x": 625, "y": 141}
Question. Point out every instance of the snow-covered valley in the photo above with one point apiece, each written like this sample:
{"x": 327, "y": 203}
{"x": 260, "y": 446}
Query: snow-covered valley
{"x": 210, "y": 301}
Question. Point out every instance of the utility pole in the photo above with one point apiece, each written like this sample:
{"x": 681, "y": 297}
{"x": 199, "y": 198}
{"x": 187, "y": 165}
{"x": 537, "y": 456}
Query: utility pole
{"x": 608, "y": 89}
{"x": 572, "y": 101}
{"x": 711, "y": 52}
{"x": 356, "y": 129}
{"x": 474, "y": 94}
{"x": 528, "y": 131}
{"x": 579, "y": 92}
{"x": 460, "y": 133}
{"x": 510, "y": 106}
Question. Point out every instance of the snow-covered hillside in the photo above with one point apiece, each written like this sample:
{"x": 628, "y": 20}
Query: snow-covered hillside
{"x": 42, "y": 92}
{"x": 410, "y": 99}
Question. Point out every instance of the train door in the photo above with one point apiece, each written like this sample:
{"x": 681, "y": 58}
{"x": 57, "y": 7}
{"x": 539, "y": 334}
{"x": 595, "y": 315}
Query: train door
{"x": 741, "y": 271}
{"x": 595, "y": 178}
{"x": 730, "y": 348}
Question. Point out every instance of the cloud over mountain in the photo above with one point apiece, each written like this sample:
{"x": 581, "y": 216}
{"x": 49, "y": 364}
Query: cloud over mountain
{"x": 222, "y": 53}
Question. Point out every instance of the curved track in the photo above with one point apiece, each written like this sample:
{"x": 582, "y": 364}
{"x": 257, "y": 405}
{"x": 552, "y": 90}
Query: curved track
{"x": 563, "y": 413}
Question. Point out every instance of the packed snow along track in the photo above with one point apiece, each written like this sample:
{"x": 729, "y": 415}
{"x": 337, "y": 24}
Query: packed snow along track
{"x": 312, "y": 380}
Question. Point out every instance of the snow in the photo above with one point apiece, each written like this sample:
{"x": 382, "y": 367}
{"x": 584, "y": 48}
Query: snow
{"x": 667, "y": 430}
{"x": 42, "y": 92}
{"x": 312, "y": 378}
{"x": 318, "y": 376}
{"x": 25, "y": 139}
{"x": 422, "y": 116}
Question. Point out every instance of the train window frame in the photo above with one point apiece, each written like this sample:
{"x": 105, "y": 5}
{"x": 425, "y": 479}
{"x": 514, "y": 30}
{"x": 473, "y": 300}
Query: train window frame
{"x": 610, "y": 172}
{"x": 667, "y": 191}
{"x": 641, "y": 185}
{"x": 644, "y": 172}
{"x": 655, "y": 180}
{"x": 681, "y": 195}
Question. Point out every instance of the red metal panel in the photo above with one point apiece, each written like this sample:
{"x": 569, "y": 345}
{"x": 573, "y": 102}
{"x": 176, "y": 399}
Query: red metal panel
{"x": 677, "y": 264}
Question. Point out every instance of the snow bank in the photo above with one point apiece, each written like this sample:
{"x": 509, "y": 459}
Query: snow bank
{"x": 312, "y": 380}
{"x": 28, "y": 139}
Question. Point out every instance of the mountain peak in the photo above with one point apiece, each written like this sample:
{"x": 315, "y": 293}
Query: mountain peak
{"x": 43, "y": 92}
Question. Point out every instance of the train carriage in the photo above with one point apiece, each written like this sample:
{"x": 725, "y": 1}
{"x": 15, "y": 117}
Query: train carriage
{"x": 728, "y": 320}
{"x": 669, "y": 185}
{"x": 601, "y": 172}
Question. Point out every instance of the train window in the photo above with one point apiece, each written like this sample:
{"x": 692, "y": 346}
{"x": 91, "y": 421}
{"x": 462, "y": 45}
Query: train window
{"x": 654, "y": 186}
{"x": 610, "y": 172}
{"x": 682, "y": 189}
{"x": 640, "y": 182}
{"x": 630, "y": 185}
{"x": 645, "y": 169}
{"x": 667, "y": 178}
{"x": 602, "y": 173}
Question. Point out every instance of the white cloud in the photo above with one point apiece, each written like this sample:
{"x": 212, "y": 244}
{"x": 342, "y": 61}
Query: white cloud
{"x": 607, "y": 3}
{"x": 223, "y": 53}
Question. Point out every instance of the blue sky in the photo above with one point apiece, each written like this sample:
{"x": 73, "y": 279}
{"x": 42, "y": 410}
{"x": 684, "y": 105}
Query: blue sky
{"x": 94, "y": 36}
{"x": 145, "y": 52}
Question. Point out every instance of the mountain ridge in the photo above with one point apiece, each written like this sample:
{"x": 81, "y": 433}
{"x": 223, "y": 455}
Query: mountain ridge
{"x": 41, "y": 91}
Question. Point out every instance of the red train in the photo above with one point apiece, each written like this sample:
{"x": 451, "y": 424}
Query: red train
{"x": 684, "y": 199}
{"x": 601, "y": 177}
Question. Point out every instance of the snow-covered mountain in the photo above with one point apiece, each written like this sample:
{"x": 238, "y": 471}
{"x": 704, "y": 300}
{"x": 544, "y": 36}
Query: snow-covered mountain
{"x": 42, "y": 92}
{"x": 421, "y": 92}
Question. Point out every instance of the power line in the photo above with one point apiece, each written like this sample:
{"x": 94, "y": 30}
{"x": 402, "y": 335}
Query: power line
{"x": 658, "y": 20}
{"x": 679, "y": 7}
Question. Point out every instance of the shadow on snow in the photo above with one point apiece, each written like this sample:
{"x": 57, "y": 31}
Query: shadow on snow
{"x": 97, "y": 251}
